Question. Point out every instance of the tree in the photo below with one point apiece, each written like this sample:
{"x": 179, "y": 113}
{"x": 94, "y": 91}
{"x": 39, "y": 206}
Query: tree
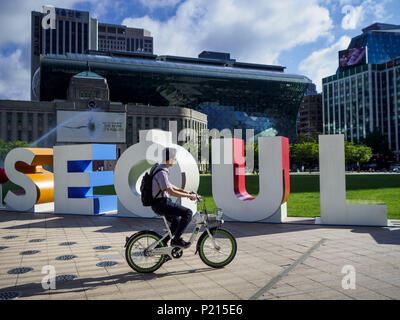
{"x": 301, "y": 138}
{"x": 307, "y": 153}
{"x": 357, "y": 153}
{"x": 6, "y": 147}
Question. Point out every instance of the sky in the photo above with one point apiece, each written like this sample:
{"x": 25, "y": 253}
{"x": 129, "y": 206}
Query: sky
{"x": 302, "y": 35}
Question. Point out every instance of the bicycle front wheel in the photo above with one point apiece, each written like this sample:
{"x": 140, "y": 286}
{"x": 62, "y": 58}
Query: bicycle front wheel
{"x": 219, "y": 250}
{"x": 137, "y": 256}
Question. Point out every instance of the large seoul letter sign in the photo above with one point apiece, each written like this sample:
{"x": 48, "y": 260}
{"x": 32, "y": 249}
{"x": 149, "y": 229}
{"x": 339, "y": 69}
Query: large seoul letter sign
{"x": 72, "y": 186}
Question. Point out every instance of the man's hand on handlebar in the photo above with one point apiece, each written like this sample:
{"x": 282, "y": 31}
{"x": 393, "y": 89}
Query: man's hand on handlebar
{"x": 192, "y": 196}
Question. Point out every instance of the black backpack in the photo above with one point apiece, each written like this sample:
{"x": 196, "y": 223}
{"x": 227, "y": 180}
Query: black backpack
{"x": 146, "y": 187}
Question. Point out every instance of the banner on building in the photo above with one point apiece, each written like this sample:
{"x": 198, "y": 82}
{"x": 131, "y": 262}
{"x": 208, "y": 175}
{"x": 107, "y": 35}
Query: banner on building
{"x": 91, "y": 126}
{"x": 352, "y": 57}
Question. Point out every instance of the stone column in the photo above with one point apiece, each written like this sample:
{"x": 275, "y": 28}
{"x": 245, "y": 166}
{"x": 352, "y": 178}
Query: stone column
{"x": 24, "y": 128}
{"x": 35, "y": 127}
{"x": 3, "y": 125}
{"x": 46, "y": 128}
{"x": 134, "y": 139}
{"x": 14, "y": 127}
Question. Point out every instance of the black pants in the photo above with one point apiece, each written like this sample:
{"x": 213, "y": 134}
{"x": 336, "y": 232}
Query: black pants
{"x": 178, "y": 216}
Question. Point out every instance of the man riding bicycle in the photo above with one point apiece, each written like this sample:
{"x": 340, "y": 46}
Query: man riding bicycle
{"x": 177, "y": 215}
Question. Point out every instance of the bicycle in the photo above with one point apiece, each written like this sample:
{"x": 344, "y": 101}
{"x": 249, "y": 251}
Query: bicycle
{"x": 145, "y": 251}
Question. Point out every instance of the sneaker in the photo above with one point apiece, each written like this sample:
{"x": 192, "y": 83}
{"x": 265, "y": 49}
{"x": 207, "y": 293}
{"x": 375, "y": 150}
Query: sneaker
{"x": 179, "y": 243}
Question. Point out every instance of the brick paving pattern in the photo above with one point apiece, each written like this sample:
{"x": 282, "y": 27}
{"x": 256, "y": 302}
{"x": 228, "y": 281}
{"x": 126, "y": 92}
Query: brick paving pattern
{"x": 264, "y": 251}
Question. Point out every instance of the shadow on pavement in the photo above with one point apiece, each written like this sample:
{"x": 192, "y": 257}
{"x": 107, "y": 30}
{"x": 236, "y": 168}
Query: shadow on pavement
{"x": 87, "y": 284}
{"x": 109, "y": 224}
{"x": 381, "y": 235}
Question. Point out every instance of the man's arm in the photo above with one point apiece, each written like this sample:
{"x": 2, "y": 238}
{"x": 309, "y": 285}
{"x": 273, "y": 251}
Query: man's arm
{"x": 175, "y": 188}
{"x": 180, "y": 194}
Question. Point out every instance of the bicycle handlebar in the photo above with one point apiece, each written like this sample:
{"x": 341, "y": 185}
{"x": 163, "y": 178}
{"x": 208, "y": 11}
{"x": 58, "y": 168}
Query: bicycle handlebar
{"x": 199, "y": 198}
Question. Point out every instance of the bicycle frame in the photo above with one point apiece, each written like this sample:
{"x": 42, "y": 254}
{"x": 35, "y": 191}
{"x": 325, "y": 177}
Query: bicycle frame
{"x": 168, "y": 250}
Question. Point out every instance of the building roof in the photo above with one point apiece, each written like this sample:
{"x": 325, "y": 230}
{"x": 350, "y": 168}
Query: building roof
{"x": 193, "y": 69}
{"x": 381, "y": 27}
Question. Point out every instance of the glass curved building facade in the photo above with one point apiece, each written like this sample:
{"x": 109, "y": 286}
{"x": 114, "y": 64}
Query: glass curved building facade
{"x": 233, "y": 95}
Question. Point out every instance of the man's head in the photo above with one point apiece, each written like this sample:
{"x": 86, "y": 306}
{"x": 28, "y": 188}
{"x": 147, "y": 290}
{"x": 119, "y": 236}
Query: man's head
{"x": 169, "y": 156}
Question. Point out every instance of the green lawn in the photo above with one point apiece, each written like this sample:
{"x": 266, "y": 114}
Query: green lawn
{"x": 304, "y": 192}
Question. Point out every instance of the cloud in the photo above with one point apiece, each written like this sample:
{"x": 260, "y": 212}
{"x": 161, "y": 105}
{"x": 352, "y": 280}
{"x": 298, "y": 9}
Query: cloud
{"x": 324, "y": 62}
{"x": 15, "y": 79}
{"x": 353, "y": 16}
{"x": 251, "y": 31}
{"x": 155, "y": 4}
{"x": 368, "y": 10}
{"x": 102, "y": 8}
{"x": 15, "y": 16}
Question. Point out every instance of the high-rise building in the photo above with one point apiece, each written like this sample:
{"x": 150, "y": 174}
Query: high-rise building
{"x": 311, "y": 114}
{"x": 309, "y": 119}
{"x": 121, "y": 38}
{"x": 364, "y": 94}
{"x": 76, "y": 32}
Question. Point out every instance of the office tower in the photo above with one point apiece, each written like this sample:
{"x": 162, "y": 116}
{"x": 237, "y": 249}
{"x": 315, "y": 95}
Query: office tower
{"x": 364, "y": 94}
{"x": 310, "y": 118}
{"x": 121, "y": 38}
{"x": 75, "y": 32}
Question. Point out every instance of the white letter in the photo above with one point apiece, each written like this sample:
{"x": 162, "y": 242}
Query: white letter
{"x": 349, "y": 280}
{"x": 229, "y": 191}
{"x": 334, "y": 208}
{"x": 74, "y": 179}
{"x": 23, "y": 166}
{"x": 49, "y": 20}
{"x": 138, "y": 159}
{"x": 49, "y": 280}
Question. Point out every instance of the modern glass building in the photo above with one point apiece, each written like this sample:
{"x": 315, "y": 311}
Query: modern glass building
{"x": 381, "y": 40}
{"x": 232, "y": 94}
{"x": 366, "y": 97}
{"x": 222, "y": 117}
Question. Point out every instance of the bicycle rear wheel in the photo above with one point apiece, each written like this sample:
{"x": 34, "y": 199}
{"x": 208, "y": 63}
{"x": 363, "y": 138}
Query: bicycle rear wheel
{"x": 223, "y": 254}
{"x": 137, "y": 256}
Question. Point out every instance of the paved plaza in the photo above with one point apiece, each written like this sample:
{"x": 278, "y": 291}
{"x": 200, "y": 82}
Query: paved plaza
{"x": 274, "y": 261}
